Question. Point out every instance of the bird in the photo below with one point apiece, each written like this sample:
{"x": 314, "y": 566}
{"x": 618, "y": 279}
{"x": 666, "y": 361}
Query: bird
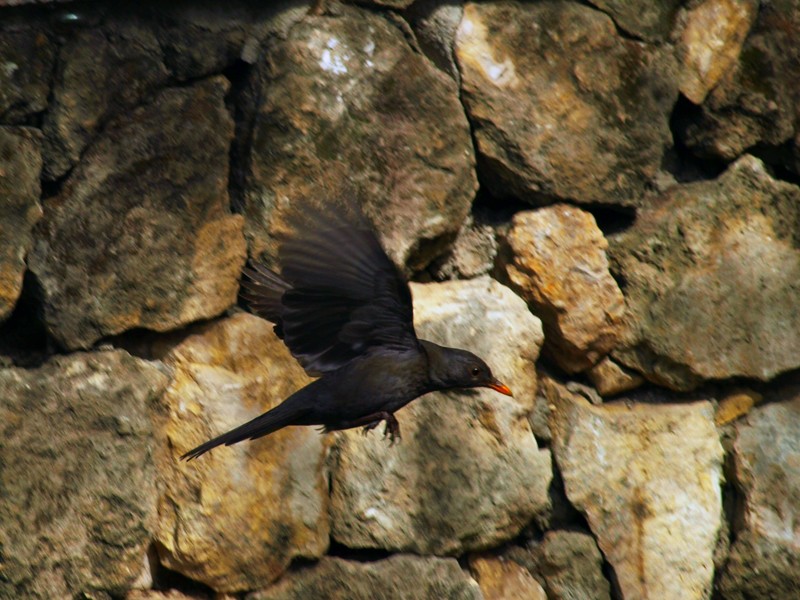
{"x": 345, "y": 312}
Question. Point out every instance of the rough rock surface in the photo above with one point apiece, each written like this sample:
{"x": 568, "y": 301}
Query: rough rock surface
{"x": 139, "y": 237}
{"x": 711, "y": 42}
{"x": 611, "y": 378}
{"x": 204, "y": 37}
{"x": 435, "y": 24}
{"x": 642, "y": 18}
{"x": 501, "y": 579}
{"x": 399, "y": 577}
{"x": 102, "y": 72}
{"x": 472, "y": 253}
{"x": 648, "y": 480}
{"x": 561, "y": 105}
{"x": 756, "y": 102}
{"x": 567, "y": 563}
{"x": 78, "y": 499}
{"x": 557, "y": 262}
{"x": 571, "y": 565}
{"x": 271, "y": 493}
{"x": 468, "y": 472}
{"x": 348, "y": 107}
{"x": 765, "y": 558}
{"x": 712, "y": 280}
{"x": 27, "y": 54}
{"x": 20, "y": 169}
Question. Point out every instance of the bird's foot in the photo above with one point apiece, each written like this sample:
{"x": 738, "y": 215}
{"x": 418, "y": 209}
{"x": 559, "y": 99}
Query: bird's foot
{"x": 370, "y": 426}
{"x": 392, "y": 430}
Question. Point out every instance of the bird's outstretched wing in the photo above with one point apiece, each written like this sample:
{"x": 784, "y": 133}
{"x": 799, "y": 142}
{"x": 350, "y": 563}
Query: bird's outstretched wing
{"x": 338, "y": 294}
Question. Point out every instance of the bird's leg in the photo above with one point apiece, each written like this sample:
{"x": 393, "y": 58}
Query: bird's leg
{"x": 392, "y": 429}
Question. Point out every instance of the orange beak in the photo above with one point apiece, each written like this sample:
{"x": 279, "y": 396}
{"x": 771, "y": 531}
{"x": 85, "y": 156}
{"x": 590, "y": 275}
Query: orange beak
{"x": 500, "y": 387}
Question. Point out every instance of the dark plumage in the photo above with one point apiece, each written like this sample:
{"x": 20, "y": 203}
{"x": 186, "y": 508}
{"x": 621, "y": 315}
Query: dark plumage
{"x": 344, "y": 311}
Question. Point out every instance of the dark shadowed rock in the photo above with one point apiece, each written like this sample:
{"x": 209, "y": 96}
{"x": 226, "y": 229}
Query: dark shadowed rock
{"x": 648, "y": 479}
{"x": 399, "y": 577}
{"x": 235, "y": 518}
{"x": 472, "y": 254}
{"x": 757, "y": 100}
{"x": 642, "y": 18}
{"x": 568, "y": 563}
{"x": 435, "y": 24}
{"x": 561, "y": 105}
{"x": 141, "y": 235}
{"x": 103, "y": 72}
{"x": 346, "y": 104}
{"x": 20, "y": 169}
{"x": 765, "y": 557}
{"x": 468, "y": 473}
{"x": 27, "y": 54}
{"x": 205, "y": 37}
{"x": 572, "y": 566}
{"x": 78, "y": 503}
{"x": 712, "y": 280}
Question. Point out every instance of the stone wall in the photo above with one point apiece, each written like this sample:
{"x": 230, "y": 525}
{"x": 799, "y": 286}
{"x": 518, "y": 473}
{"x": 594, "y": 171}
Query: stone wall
{"x": 600, "y": 198}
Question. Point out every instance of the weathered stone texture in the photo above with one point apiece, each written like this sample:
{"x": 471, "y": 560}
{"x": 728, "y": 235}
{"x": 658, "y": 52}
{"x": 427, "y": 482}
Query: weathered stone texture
{"x": 561, "y": 105}
{"x": 346, "y": 106}
{"x": 757, "y": 100}
{"x": 765, "y": 557}
{"x": 468, "y": 473}
{"x": 626, "y": 470}
{"x": 272, "y": 493}
{"x": 141, "y": 235}
{"x": 501, "y": 579}
{"x": 399, "y": 577}
{"x": 712, "y": 280}
{"x": 557, "y": 262}
{"x": 20, "y": 169}
{"x": 711, "y": 42}
{"x": 78, "y": 500}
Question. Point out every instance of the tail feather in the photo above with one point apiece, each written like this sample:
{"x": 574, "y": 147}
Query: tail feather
{"x": 271, "y": 421}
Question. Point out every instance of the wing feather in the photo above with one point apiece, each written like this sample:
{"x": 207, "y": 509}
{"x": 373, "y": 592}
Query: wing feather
{"x": 338, "y": 294}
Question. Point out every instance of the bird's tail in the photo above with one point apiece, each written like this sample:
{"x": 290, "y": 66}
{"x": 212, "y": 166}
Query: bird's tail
{"x": 271, "y": 421}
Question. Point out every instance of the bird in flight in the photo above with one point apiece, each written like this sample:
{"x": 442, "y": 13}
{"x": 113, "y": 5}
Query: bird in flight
{"x": 344, "y": 310}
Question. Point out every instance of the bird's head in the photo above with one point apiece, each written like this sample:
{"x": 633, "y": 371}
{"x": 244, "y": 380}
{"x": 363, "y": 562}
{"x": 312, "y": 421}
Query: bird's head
{"x": 454, "y": 368}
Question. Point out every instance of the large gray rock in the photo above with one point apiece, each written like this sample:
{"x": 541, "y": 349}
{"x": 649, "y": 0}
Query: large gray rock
{"x": 78, "y": 501}
{"x": 346, "y": 106}
{"x": 27, "y": 55}
{"x": 468, "y": 473}
{"x": 561, "y": 104}
{"x": 399, "y": 577}
{"x": 765, "y": 558}
{"x": 20, "y": 170}
{"x": 756, "y": 101}
{"x": 712, "y": 279}
{"x": 141, "y": 235}
{"x": 648, "y": 478}
{"x": 103, "y": 72}
{"x": 271, "y": 492}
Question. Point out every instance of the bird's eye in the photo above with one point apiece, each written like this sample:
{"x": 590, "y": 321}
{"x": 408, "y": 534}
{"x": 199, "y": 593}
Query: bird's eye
{"x": 475, "y": 371}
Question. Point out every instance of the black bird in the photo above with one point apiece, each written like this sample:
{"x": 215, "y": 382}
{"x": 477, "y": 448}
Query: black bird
{"x": 344, "y": 311}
